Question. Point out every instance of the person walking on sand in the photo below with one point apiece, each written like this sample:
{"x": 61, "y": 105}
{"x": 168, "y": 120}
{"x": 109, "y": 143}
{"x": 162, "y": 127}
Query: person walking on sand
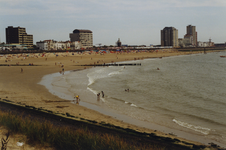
{"x": 77, "y": 99}
{"x": 21, "y": 70}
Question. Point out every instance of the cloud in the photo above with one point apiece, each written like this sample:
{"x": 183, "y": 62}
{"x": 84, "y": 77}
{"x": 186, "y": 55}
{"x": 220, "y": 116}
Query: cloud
{"x": 199, "y": 3}
{"x": 153, "y": 4}
{"x": 24, "y": 7}
{"x": 78, "y": 7}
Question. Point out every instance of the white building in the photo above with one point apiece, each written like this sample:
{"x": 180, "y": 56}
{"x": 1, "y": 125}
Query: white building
{"x": 205, "y": 44}
{"x": 76, "y": 45}
{"x": 42, "y": 45}
{"x": 54, "y": 45}
{"x": 46, "y": 45}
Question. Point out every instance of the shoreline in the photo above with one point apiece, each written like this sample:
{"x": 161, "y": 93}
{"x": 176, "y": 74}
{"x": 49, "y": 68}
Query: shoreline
{"x": 16, "y": 87}
{"x": 192, "y": 136}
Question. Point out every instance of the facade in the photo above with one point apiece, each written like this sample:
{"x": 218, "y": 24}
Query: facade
{"x": 18, "y": 35}
{"x": 75, "y": 45}
{"x": 42, "y": 45}
{"x": 85, "y": 37}
{"x": 188, "y": 40}
{"x": 205, "y": 44}
{"x": 191, "y": 31}
{"x": 181, "y": 42}
{"x": 46, "y": 45}
{"x": 54, "y": 45}
{"x": 169, "y": 37}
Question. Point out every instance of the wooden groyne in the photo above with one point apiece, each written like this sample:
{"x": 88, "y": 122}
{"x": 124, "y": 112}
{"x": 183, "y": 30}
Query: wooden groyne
{"x": 18, "y": 65}
{"x": 114, "y": 64}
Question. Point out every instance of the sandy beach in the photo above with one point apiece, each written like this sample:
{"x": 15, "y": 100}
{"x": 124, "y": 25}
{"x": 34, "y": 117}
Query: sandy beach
{"x": 19, "y": 83}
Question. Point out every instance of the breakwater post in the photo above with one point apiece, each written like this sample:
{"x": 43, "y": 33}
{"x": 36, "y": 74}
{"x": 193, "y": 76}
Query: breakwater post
{"x": 114, "y": 64}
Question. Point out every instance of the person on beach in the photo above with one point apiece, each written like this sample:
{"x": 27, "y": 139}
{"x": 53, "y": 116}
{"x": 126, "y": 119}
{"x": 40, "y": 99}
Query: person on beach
{"x": 21, "y": 70}
{"x": 102, "y": 94}
{"x": 98, "y": 96}
{"x": 77, "y": 99}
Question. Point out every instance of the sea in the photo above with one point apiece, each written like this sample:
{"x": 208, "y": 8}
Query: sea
{"x": 182, "y": 95}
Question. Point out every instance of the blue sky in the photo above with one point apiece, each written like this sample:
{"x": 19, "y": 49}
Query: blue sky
{"x": 135, "y": 22}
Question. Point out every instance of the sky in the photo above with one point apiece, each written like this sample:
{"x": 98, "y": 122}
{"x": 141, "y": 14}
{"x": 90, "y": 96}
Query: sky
{"x": 135, "y": 22}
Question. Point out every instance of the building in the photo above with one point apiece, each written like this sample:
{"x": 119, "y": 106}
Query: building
{"x": 55, "y": 45}
{"x": 169, "y": 37}
{"x": 46, "y": 45}
{"x": 18, "y": 35}
{"x": 181, "y": 42}
{"x": 42, "y": 45}
{"x": 188, "y": 40}
{"x": 191, "y": 31}
{"x": 75, "y": 45}
{"x": 205, "y": 44}
{"x": 119, "y": 43}
{"x": 220, "y": 44}
{"x": 85, "y": 37}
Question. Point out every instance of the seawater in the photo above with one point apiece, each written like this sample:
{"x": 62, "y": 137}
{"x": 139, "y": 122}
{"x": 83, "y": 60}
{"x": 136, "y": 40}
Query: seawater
{"x": 187, "y": 93}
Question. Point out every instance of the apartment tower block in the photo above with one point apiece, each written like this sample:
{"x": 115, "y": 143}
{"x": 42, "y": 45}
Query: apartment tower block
{"x": 85, "y": 37}
{"x": 191, "y": 31}
{"x": 169, "y": 37}
{"x": 18, "y": 35}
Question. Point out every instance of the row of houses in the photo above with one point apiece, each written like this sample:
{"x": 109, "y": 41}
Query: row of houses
{"x": 79, "y": 39}
{"x": 55, "y": 45}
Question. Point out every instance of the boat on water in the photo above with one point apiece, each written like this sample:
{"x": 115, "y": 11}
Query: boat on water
{"x": 223, "y": 56}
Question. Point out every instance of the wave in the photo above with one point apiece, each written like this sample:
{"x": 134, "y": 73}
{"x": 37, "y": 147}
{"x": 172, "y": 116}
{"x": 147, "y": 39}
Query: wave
{"x": 115, "y": 72}
{"x": 101, "y": 73}
{"x": 133, "y": 105}
{"x": 199, "y": 129}
{"x": 97, "y": 74}
{"x": 197, "y": 117}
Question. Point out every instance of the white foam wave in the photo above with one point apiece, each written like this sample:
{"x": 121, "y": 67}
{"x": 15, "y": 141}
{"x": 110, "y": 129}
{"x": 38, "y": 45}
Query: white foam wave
{"x": 133, "y": 105}
{"x": 91, "y": 80}
{"x": 115, "y": 72}
{"x": 200, "y": 129}
{"x": 97, "y": 74}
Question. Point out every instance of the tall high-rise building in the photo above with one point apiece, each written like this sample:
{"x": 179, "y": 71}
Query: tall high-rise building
{"x": 85, "y": 37}
{"x": 191, "y": 31}
{"x": 169, "y": 37}
{"x": 18, "y": 35}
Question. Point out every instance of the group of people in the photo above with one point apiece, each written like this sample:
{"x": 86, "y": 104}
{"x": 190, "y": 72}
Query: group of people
{"x": 127, "y": 90}
{"x": 98, "y": 95}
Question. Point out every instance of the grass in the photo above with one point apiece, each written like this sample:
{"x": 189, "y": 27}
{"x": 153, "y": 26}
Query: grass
{"x": 62, "y": 137}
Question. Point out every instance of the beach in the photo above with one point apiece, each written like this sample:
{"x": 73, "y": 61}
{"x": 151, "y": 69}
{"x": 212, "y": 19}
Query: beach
{"x": 20, "y": 83}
